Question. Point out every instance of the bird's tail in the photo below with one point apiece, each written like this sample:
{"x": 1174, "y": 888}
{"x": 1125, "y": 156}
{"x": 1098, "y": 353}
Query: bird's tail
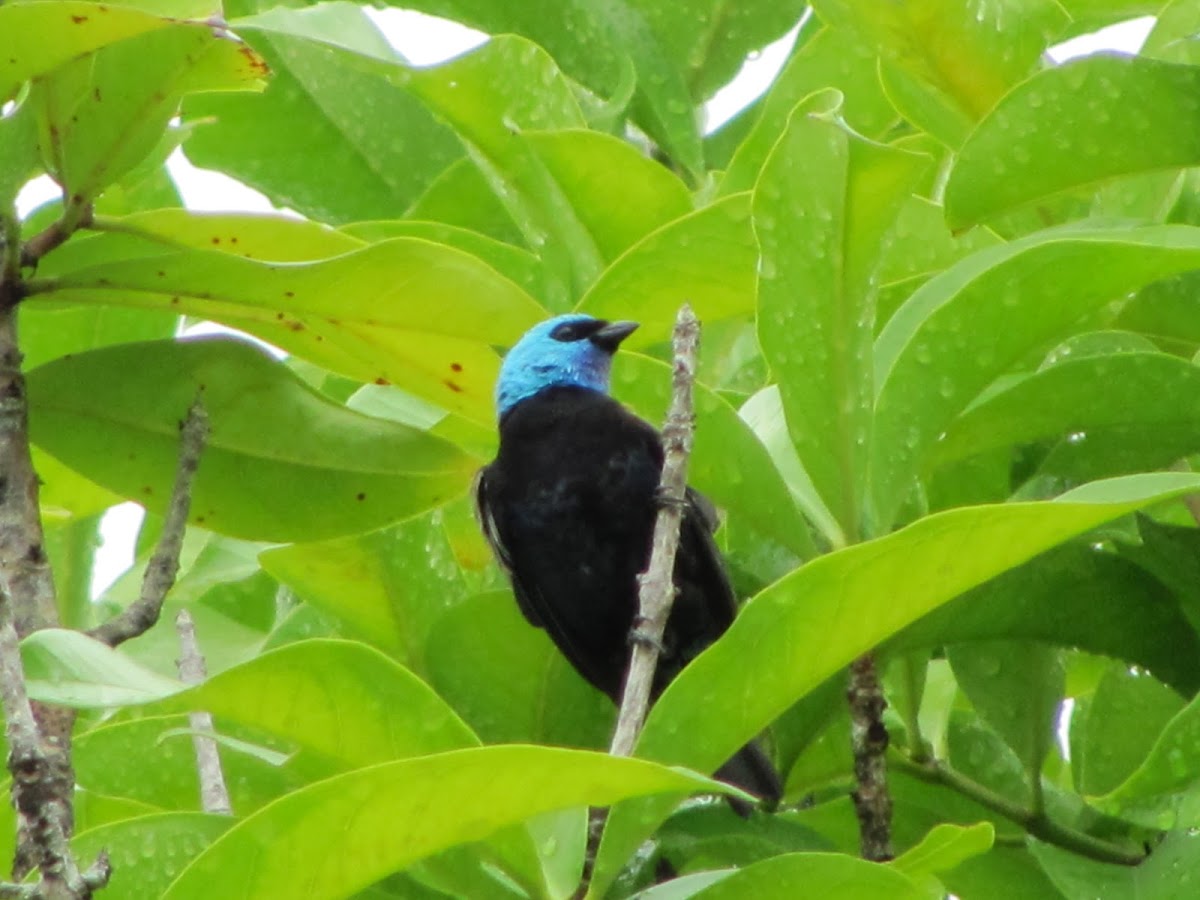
{"x": 751, "y": 770}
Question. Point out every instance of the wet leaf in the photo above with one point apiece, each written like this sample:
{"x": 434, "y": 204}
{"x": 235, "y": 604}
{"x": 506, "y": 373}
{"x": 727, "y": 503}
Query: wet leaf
{"x": 100, "y": 116}
{"x": 822, "y": 207}
{"x": 816, "y": 620}
{"x": 1054, "y": 133}
{"x": 968, "y": 325}
{"x": 405, "y": 310}
{"x": 281, "y": 462}
{"x": 706, "y": 258}
{"x": 356, "y": 828}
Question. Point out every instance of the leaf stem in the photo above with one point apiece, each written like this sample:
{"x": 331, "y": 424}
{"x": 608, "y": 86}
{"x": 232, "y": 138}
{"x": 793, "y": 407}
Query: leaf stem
{"x": 1036, "y": 823}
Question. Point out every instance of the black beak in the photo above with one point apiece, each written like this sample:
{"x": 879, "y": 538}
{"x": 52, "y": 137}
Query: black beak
{"x": 610, "y": 336}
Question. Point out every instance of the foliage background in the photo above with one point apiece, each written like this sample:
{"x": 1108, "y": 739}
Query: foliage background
{"x": 947, "y": 407}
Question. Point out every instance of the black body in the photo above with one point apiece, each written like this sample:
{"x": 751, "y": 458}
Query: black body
{"x": 569, "y": 506}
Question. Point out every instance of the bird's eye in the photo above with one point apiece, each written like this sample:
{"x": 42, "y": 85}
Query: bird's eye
{"x": 574, "y": 331}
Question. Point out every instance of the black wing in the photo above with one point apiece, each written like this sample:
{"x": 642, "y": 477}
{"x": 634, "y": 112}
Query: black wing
{"x": 495, "y": 538}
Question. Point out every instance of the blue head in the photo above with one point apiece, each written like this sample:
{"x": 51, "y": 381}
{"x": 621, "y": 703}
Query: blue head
{"x": 567, "y": 350}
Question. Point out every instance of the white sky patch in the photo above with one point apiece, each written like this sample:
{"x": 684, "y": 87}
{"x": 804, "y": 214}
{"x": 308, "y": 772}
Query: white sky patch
{"x": 207, "y": 191}
{"x": 422, "y": 39}
{"x": 1126, "y": 37}
{"x": 751, "y": 82}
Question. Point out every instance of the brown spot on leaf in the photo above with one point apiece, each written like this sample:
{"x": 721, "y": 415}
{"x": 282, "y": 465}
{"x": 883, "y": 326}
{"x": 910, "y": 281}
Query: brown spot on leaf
{"x": 216, "y": 240}
{"x": 199, "y": 520}
{"x": 279, "y": 316}
{"x": 256, "y": 62}
{"x": 454, "y": 387}
{"x": 360, "y": 496}
{"x": 296, "y": 326}
{"x": 382, "y": 381}
{"x": 96, "y": 94}
{"x": 289, "y": 293}
{"x": 147, "y": 490}
{"x": 79, "y": 20}
{"x": 162, "y": 274}
{"x": 174, "y": 301}
{"x": 233, "y": 240}
{"x": 455, "y": 367}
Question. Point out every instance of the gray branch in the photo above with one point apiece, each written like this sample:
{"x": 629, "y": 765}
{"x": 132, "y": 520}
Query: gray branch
{"x": 656, "y": 586}
{"x": 214, "y": 795}
{"x": 869, "y": 740}
{"x": 140, "y": 615}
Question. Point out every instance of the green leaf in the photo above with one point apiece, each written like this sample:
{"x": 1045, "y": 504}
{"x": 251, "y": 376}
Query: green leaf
{"x": 149, "y": 851}
{"x": 389, "y": 587}
{"x": 824, "y": 874}
{"x": 72, "y": 552}
{"x": 763, "y": 412}
{"x": 837, "y": 607}
{"x": 1145, "y": 392}
{"x": 1016, "y": 687}
{"x": 1073, "y": 596}
{"x": 597, "y": 46}
{"x": 519, "y": 266}
{"x": 706, "y": 258}
{"x": 710, "y": 39}
{"x": 380, "y": 314}
{"x": 19, "y": 159}
{"x": 67, "y": 30}
{"x": 945, "y": 848}
{"x": 1000, "y": 874}
{"x": 728, "y": 462}
{"x": 360, "y": 708}
{"x": 110, "y": 760}
{"x": 822, "y": 207}
{"x": 260, "y": 236}
{"x": 99, "y": 116}
{"x": 388, "y": 145}
{"x": 489, "y": 97}
{"x": 958, "y": 61}
{"x": 967, "y": 326}
{"x": 71, "y": 669}
{"x": 356, "y": 828}
{"x": 1114, "y": 730}
{"x": 506, "y": 678}
{"x": 1153, "y": 791}
{"x": 831, "y": 58}
{"x": 317, "y": 469}
{"x": 651, "y": 196}
{"x": 1167, "y": 874}
{"x": 1054, "y": 132}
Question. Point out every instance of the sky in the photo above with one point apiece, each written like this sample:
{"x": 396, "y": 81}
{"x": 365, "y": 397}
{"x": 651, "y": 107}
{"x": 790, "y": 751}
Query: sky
{"x": 427, "y": 40}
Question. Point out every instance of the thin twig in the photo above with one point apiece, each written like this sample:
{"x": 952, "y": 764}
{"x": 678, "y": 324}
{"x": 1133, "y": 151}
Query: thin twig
{"x": 1037, "y": 824}
{"x": 56, "y": 233}
{"x": 140, "y": 615}
{"x": 656, "y": 586}
{"x": 214, "y": 795}
{"x": 869, "y": 741}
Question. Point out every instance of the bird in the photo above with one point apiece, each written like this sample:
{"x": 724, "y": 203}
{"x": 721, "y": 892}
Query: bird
{"x": 569, "y": 504}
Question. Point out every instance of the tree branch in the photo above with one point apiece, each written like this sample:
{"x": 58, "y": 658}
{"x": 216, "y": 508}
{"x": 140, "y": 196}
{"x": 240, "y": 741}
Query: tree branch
{"x": 140, "y": 615}
{"x": 869, "y": 740}
{"x": 1037, "y": 824}
{"x": 214, "y": 795}
{"x": 656, "y": 586}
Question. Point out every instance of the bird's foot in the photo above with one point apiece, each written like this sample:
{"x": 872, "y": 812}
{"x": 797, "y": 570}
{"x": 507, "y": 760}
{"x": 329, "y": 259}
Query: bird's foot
{"x": 639, "y": 635}
{"x": 667, "y": 501}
